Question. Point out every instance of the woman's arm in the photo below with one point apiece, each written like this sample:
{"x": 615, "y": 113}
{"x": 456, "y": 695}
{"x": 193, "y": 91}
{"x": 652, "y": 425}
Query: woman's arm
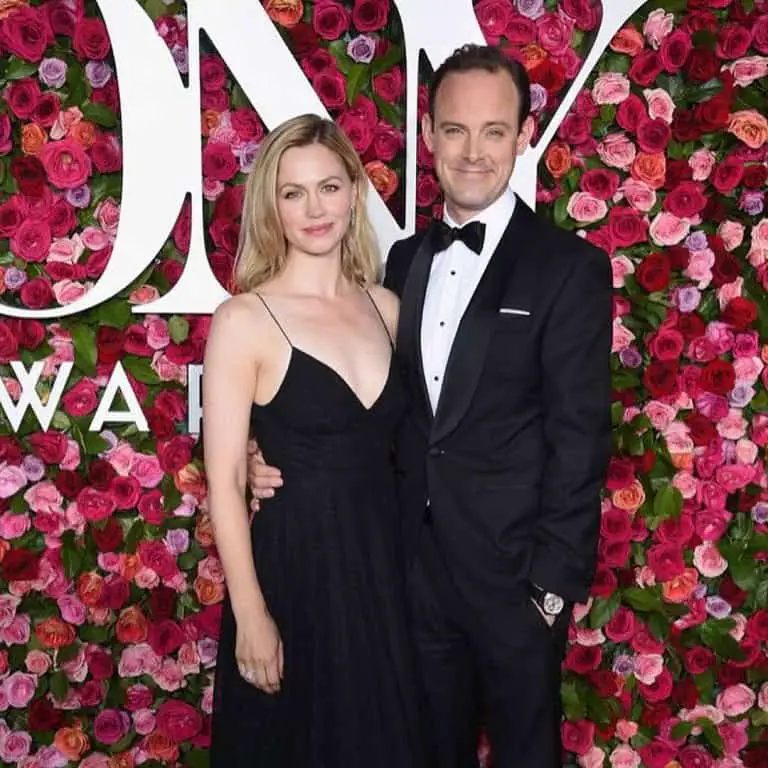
{"x": 229, "y": 381}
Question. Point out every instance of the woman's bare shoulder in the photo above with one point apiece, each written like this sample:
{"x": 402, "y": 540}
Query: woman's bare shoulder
{"x": 388, "y": 304}
{"x": 241, "y": 318}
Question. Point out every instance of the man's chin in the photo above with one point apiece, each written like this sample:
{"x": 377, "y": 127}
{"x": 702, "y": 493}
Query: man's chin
{"x": 474, "y": 202}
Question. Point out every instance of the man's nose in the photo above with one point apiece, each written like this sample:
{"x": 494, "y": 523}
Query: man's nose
{"x": 472, "y": 148}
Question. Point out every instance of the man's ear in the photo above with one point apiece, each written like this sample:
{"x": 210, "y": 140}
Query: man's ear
{"x": 525, "y": 135}
{"x": 427, "y": 130}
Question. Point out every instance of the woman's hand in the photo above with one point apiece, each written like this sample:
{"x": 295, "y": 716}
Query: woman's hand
{"x": 259, "y": 653}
